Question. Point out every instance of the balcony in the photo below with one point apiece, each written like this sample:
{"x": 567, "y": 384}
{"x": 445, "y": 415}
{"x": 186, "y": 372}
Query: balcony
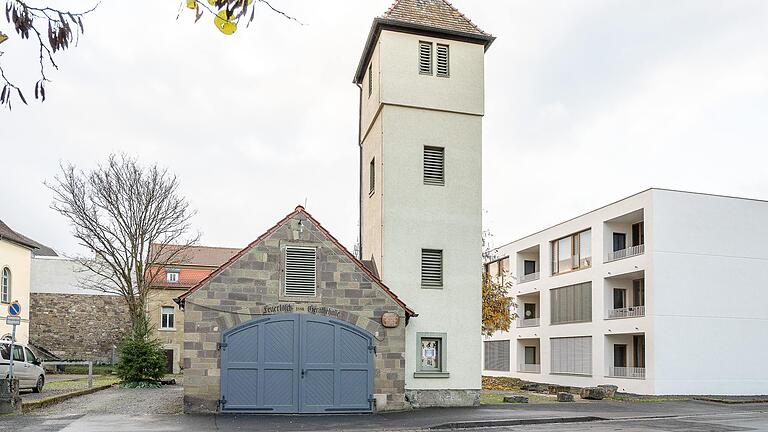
{"x": 625, "y": 253}
{"x": 530, "y": 322}
{"x": 529, "y": 368}
{"x": 626, "y": 372}
{"x": 529, "y": 277}
{"x": 627, "y": 312}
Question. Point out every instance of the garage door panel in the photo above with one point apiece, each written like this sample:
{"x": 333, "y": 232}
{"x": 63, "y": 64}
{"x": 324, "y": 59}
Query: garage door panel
{"x": 244, "y": 346}
{"x": 318, "y": 389}
{"x": 319, "y": 342}
{"x": 243, "y": 384}
{"x": 279, "y": 388}
{"x": 354, "y": 385}
{"x": 279, "y": 337}
{"x": 353, "y": 348}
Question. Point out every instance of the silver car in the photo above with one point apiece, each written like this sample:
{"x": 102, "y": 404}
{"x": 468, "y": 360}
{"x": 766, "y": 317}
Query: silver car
{"x": 26, "y": 366}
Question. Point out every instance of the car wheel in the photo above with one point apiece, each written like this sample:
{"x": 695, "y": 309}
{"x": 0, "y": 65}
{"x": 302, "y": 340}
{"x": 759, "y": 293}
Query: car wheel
{"x": 39, "y": 386}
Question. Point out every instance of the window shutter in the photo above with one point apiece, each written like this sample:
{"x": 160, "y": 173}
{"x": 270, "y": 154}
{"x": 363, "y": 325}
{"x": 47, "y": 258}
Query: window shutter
{"x": 442, "y": 61}
{"x": 431, "y": 268}
{"x": 300, "y": 271}
{"x": 425, "y": 58}
{"x": 572, "y": 355}
{"x": 434, "y": 166}
{"x": 370, "y": 79}
{"x": 497, "y": 355}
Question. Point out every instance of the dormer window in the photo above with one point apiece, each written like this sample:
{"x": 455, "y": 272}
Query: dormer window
{"x": 172, "y": 276}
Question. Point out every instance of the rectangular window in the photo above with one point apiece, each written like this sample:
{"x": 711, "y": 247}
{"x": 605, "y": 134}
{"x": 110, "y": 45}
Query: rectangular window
{"x": 5, "y": 351}
{"x": 571, "y": 304}
{"x": 498, "y": 269}
{"x": 529, "y": 267}
{"x": 529, "y": 309}
{"x": 573, "y": 252}
{"x": 300, "y": 271}
{"x": 530, "y": 355}
{"x": 370, "y": 79}
{"x": 431, "y": 268}
{"x": 443, "y": 61}
{"x": 5, "y": 286}
{"x": 638, "y": 234}
{"x": 638, "y": 345}
{"x": 172, "y": 276}
{"x": 18, "y": 353}
{"x": 167, "y": 317}
{"x": 432, "y": 355}
{"x": 372, "y": 176}
{"x": 434, "y": 166}
{"x": 425, "y": 58}
{"x": 619, "y": 355}
{"x": 619, "y": 298}
{"x": 572, "y": 355}
{"x": 496, "y": 355}
{"x": 638, "y": 292}
{"x": 619, "y": 241}
{"x": 30, "y": 355}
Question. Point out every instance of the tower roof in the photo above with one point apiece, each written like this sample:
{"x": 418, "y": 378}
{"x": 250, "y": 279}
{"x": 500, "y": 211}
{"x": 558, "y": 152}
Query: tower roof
{"x": 432, "y": 13}
{"x": 436, "y": 18}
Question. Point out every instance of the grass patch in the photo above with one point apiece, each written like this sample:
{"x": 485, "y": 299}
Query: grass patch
{"x": 491, "y": 399}
{"x": 83, "y": 370}
{"x": 97, "y": 381}
{"x": 639, "y": 398}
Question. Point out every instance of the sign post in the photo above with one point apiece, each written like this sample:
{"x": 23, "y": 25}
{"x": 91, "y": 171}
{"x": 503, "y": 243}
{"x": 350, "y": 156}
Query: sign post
{"x": 13, "y": 319}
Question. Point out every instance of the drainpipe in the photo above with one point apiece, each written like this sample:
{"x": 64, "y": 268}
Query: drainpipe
{"x": 360, "y": 171}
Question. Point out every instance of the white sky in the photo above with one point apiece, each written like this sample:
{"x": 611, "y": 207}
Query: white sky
{"x": 587, "y": 102}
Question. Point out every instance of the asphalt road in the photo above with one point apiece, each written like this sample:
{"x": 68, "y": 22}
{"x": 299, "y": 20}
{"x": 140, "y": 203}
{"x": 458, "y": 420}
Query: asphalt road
{"x": 117, "y": 410}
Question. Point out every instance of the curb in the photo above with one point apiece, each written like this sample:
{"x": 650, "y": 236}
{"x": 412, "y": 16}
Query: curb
{"x": 517, "y": 422}
{"x": 42, "y": 403}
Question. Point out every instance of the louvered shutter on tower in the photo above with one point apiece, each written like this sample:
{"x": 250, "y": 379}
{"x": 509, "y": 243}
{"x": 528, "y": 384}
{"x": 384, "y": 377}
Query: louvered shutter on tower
{"x": 434, "y": 165}
{"x": 425, "y": 58}
{"x": 443, "y": 69}
{"x": 431, "y": 268}
{"x": 300, "y": 271}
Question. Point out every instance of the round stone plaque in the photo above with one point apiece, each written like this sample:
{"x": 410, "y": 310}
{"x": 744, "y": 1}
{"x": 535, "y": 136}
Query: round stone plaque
{"x": 390, "y": 320}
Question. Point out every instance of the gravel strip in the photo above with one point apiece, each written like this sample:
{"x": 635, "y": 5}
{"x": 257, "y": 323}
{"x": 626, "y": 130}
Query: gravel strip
{"x": 116, "y": 400}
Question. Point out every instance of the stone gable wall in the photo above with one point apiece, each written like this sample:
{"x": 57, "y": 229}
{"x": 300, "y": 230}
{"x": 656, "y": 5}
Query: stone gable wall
{"x": 78, "y": 326}
{"x": 240, "y": 292}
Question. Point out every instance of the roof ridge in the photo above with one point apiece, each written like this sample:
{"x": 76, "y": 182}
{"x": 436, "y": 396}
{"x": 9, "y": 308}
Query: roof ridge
{"x": 388, "y": 14}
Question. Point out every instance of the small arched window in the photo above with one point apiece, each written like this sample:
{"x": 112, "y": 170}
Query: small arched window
{"x": 5, "y": 286}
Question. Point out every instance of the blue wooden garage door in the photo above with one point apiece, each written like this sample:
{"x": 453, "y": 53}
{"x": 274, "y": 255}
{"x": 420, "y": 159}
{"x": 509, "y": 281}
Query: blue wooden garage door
{"x": 296, "y": 363}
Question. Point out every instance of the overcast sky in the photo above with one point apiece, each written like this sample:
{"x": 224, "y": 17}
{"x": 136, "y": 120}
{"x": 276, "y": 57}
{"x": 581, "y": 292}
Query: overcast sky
{"x": 586, "y": 102}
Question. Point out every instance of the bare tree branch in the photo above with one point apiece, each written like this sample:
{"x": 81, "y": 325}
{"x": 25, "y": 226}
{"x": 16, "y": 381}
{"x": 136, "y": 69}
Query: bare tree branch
{"x": 131, "y": 218}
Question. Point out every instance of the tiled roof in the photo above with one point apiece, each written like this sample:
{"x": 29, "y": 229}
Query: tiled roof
{"x": 432, "y": 13}
{"x": 207, "y": 256}
{"x": 327, "y": 234}
{"x": 6, "y": 233}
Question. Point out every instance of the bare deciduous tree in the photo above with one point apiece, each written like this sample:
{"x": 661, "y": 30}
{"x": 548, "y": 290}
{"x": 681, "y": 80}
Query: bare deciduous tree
{"x": 132, "y": 219}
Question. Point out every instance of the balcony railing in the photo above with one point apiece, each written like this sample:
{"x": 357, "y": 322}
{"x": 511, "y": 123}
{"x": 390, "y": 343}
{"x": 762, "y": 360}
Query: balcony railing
{"x": 529, "y": 277}
{"x": 626, "y": 372}
{"x": 530, "y": 322}
{"x": 628, "y": 312}
{"x": 530, "y": 368}
{"x": 625, "y": 253}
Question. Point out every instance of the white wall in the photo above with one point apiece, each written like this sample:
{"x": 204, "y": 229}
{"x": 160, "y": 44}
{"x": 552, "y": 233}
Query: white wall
{"x": 17, "y": 259}
{"x": 710, "y": 294}
{"x": 58, "y": 275}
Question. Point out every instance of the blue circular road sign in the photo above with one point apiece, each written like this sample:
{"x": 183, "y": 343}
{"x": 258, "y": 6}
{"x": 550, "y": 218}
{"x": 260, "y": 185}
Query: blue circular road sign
{"x": 14, "y": 309}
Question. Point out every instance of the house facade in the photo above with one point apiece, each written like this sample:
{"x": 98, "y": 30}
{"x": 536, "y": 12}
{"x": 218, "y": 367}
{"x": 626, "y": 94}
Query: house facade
{"x": 421, "y": 79}
{"x": 15, "y": 262}
{"x": 294, "y": 323}
{"x": 172, "y": 280}
{"x": 657, "y": 294}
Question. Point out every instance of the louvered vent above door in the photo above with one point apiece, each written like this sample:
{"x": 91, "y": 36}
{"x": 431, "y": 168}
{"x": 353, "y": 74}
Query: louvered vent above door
{"x": 434, "y": 166}
{"x": 442, "y": 61}
{"x": 431, "y": 268}
{"x": 425, "y": 58}
{"x": 300, "y": 271}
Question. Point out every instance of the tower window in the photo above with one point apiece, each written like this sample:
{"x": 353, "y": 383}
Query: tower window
{"x": 370, "y": 79}
{"x": 372, "y": 176}
{"x": 442, "y": 61}
{"x": 300, "y": 271}
{"x": 425, "y": 58}
{"x": 434, "y": 166}
{"x": 431, "y": 268}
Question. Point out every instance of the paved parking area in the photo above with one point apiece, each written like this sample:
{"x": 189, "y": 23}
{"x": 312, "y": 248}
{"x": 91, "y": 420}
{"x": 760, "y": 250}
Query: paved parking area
{"x": 117, "y": 410}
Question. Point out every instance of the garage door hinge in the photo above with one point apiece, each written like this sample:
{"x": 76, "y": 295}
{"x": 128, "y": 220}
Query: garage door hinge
{"x": 372, "y": 348}
{"x": 221, "y": 346}
{"x": 222, "y": 401}
{"x": 371, "y": 399}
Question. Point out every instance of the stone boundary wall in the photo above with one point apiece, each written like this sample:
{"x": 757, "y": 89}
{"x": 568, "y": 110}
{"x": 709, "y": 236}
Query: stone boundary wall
{"x": 78, "y": 326}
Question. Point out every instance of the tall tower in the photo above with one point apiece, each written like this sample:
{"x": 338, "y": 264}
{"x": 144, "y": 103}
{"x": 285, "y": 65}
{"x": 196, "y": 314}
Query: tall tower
{"x": 421, "y": 109}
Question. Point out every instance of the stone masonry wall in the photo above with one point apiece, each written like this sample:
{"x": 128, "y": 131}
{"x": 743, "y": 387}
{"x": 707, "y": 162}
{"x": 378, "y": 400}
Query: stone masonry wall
{"x": 78, "y": 326}
{"x": 239, "y": 293}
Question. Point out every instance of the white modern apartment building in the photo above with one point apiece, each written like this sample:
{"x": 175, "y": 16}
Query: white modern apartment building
{"x": 663, "y": 292}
